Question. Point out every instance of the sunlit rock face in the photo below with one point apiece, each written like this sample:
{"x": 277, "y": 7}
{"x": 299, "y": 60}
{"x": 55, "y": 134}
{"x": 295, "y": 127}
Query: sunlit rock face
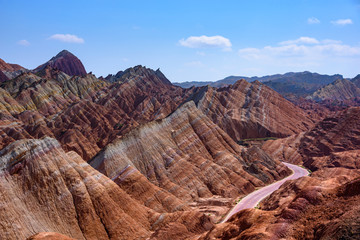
{"x": 333, "y": 142}
{"x": 190, "y": 157}
{"x": 251, "y": 110}
{"x": 323, "y": 205}
{"x": 46, "y": 192}
{"x": 45, "y": 189}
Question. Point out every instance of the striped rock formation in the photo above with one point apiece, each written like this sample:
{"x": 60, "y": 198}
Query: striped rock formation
{"x": 251, "y": 110}
{"x": 189, "y": 156}
{"x": 47, "y": 192}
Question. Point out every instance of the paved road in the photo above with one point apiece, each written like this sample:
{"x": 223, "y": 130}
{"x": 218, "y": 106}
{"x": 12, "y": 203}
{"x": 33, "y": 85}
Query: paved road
{"x": 252, "y": 200}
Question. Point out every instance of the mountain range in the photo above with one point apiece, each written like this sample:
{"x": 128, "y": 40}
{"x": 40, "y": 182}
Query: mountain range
{"x": 132, "y": 156}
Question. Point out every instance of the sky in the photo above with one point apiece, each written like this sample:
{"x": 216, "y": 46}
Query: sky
{"x": 188, "y": 40}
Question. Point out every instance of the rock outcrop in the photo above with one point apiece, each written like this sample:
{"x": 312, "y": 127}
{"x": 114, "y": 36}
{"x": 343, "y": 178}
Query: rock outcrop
{"x": 66, "y": 62}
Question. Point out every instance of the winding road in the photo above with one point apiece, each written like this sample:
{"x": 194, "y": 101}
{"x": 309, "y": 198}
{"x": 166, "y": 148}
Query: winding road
{"x": 252, "y": 200}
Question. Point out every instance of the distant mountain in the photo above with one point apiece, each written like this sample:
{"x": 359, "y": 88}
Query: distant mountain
{"x": 340, "y": 89}
{"x": 220, "y": 83}
{"x": 300, "y": 84}
{"x": 297, "y": 83}
{"x": 356, "y": 80}
{"x": 66, "y": 62}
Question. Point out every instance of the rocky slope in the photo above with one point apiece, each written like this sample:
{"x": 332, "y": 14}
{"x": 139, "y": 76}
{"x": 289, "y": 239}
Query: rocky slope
{"x": 43, "y": 189}
{"x": 251, "y": 110}
{"x": 33, "y": 103}
{"x": 307, "y": 209}
{"x": 85, "y": 113}
{"x": 66, "y": 62}
{"x": 3, "y": 77}
{"x": 63, "y": 194}
{"x": 188, "y": 156}
{"x": 333, "y": 142}
{"x": 322, "y": 206}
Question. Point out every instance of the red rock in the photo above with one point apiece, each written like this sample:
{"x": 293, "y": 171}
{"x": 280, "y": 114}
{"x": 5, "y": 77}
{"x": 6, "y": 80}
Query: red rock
{"x": 251, "y": 110}
{"x": 10, "y": 70}
{"x": 49, "y": 236}
{"x": 47, "y": 190}
{"x": 65, "y": 62}
{"x": 189, "y": 156}
{"x": 3, "y": 77}
{"x": 8, "y": 67}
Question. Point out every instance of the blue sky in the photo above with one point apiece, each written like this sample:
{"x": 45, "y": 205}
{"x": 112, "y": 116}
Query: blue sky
{"x": 187, "y": 40}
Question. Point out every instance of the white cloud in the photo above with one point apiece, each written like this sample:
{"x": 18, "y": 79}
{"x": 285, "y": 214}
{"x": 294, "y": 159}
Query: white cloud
{"x": 342, "y": 22}
{"x": 251, "y": 53}
{"x": 23, "y": 42}
{"x": 67, "y": 38}
{"x": 331, "y": 41}
{"x": 303, "y": 40}
{"x": 305, "y": 48}
{"x": 205, "y": 41}
{"x": 313, "y": 20}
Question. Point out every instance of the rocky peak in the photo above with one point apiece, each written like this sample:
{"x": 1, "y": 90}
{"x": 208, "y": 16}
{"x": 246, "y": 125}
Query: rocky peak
{"x": 10, "y": 70}
{"x": 66, "y": 62}
{"x": 114, "y": 78}
{"x": 140, "y": 74}
{"x": 240, "y": 83}
{"x": 9, "y": 67}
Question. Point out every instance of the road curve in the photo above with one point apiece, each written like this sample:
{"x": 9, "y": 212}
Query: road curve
{"x": 252, "y": 200}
